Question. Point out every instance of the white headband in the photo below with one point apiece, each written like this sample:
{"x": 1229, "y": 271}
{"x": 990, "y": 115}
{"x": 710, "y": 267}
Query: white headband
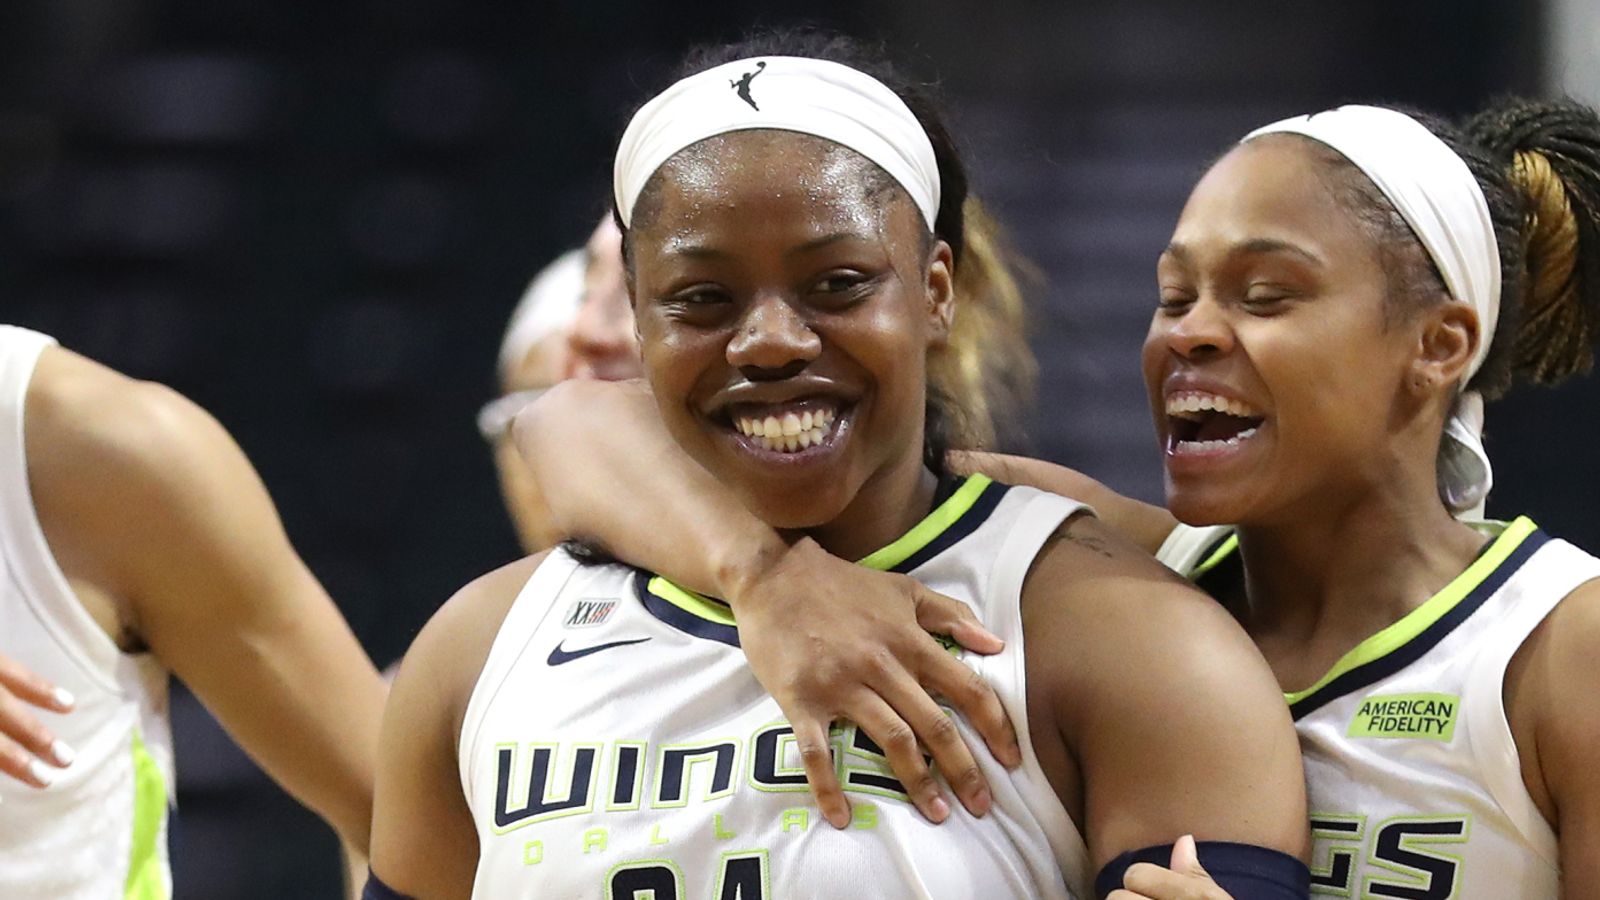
{"x": 786, "y": 93}
{"x": 549, "y": 304}
{"x": 1437, "y": 195}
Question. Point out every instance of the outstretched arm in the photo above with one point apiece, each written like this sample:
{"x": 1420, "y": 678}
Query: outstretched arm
{"x": 827, "y": 638}
{"x": 144, "y": 496}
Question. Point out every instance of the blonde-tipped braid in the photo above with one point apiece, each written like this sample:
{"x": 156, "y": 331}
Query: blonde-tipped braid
{"x": 987, "y": 370}
{"x": 1554, "y": 341}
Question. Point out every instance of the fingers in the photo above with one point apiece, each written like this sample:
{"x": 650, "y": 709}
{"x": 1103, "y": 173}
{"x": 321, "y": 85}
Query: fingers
{"x": 17, "y": 679}
{"x": 1154, "y": 882}
{"x": 26, "y": 732}
{"x": 811, "y": 741}
{"x": 962, "y": 687}
{"x": 23, "y": 766}
{"x": 1186, "y": 857}
{"x": 899, "y": 742}
{"x": 937, "y": 731}
{"x": 939, "y": 614}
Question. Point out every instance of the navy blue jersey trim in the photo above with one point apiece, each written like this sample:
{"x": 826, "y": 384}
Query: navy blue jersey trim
{"x": 1245, "y": 871}
{"x": 982, "y": 508}
{"x": 1390, "y": 663}
{"x": 679, "y": 618}
{"x": 377, "y": 890}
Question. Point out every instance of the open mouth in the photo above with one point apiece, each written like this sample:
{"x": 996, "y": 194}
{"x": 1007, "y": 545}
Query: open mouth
{"x": 787, "y": 428}
{"x": 1200, "y": 423}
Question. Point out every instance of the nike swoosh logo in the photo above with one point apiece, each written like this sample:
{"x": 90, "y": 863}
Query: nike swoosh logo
{"x": 558, "y": 656}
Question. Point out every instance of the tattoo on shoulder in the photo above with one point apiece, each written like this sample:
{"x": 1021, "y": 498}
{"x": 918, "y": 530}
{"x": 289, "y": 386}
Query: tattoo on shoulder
{"x": 1092, "y": 543}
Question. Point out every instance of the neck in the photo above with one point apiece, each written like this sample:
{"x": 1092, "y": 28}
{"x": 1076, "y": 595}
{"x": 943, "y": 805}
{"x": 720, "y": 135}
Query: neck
{"x": 1343, "y": 569}
{"x": 888, "y": 505}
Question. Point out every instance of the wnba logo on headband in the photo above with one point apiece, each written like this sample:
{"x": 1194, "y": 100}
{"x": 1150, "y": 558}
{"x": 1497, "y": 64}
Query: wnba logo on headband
{"x": 742, "y": 86}
{"x": 809, "y": 96}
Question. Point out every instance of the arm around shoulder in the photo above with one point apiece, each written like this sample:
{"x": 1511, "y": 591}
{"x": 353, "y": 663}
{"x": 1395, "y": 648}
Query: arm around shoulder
{"x": 1142, "y": 523}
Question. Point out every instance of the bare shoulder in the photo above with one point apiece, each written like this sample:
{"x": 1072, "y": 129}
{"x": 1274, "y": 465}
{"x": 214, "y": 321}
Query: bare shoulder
{"x": 1123, "y": 620}
{"x": 450, "y": 651}
{"x": 1549, "y": 687}
{"x": 92, "y": 423}
{"x": 1142, "y": 523}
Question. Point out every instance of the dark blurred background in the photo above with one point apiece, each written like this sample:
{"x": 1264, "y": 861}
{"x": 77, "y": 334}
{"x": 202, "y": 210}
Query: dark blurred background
{"x": 314, "y": 219}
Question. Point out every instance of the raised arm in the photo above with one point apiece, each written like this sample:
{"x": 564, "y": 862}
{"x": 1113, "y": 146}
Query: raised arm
{"x": 827, "y": 638}
{"x": 143, "y": 496}
{"x": 1172, "y": 722}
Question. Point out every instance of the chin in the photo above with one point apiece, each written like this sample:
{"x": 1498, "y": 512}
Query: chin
{"x": 794, "y": 507}
{"x": 1200, "y": 506}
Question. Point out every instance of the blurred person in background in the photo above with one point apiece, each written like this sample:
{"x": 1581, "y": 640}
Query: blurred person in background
{"x": 535, "y": 353}
{"x": 604, "y": 344}
{"x": 137, "y": 541}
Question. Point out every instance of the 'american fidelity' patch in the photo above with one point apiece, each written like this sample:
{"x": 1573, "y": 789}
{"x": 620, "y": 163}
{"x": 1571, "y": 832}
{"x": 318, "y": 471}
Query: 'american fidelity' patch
{"x": 1427, "y": 716}
{"x": 588, "y": 612}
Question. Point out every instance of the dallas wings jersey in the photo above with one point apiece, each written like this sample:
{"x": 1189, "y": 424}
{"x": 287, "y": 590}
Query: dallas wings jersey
{"x": 617, "y": 745}
{"x": 1414, "y": 780}
{"x": 99, "y": 831}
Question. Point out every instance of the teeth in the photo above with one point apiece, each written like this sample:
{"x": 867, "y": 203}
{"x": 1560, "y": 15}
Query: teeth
{"x": 1189, "y": 403}
{"x": 789, "y": 433}
{"x": 1212, "y": 446}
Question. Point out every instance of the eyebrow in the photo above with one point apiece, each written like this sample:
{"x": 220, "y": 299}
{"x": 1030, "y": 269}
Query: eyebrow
{"x": 700, "y": 251}
{"x": 1180, "y": 252}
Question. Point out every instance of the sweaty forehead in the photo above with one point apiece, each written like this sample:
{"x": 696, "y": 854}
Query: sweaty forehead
{"x": 1271, "y": 185}
{"x": 777, "y": 169}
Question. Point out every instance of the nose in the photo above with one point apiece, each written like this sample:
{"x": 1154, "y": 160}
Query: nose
{"x": 772, "y": 340}
{"x": 1199, "y": 332}
{"x": 602, "y": 336}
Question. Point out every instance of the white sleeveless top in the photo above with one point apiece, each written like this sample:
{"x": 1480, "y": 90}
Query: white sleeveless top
{"x": 1414, "y": 781}
{"x": 100, "y": 830}
{"x": 616, "y": 743}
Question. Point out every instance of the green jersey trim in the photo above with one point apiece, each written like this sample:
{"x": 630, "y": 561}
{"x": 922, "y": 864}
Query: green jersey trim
{"x": 967, "y": 507}
{"x": 147, "y": 879}
{"x": 1419, "y": 620}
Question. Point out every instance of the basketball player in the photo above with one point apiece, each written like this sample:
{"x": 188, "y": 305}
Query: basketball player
{"x": 135, "y": 541}
{"x": 1324, "y": 332}
{"x": 792, "y": 260}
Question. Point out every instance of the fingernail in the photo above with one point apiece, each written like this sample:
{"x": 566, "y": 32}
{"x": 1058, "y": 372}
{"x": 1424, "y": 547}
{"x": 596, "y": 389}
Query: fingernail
{"x": 62, "y": 753}
{"x": 64, "y": 698}
{"x": 940, "y": 809}
{"x": 982, "y": 802}
{"x": 840, "y": 820}
{"x": 40, "y": 772}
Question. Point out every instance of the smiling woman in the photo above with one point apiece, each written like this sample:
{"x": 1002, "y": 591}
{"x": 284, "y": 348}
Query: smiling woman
{"x": 792, "y": 233}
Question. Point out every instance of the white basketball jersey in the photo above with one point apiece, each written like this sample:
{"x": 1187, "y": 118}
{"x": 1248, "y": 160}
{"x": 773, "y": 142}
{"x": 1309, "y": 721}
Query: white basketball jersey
{"x": 1414, "y": 781}
{"x": 617, "y": 745}
{"x": 100, "y": 831}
